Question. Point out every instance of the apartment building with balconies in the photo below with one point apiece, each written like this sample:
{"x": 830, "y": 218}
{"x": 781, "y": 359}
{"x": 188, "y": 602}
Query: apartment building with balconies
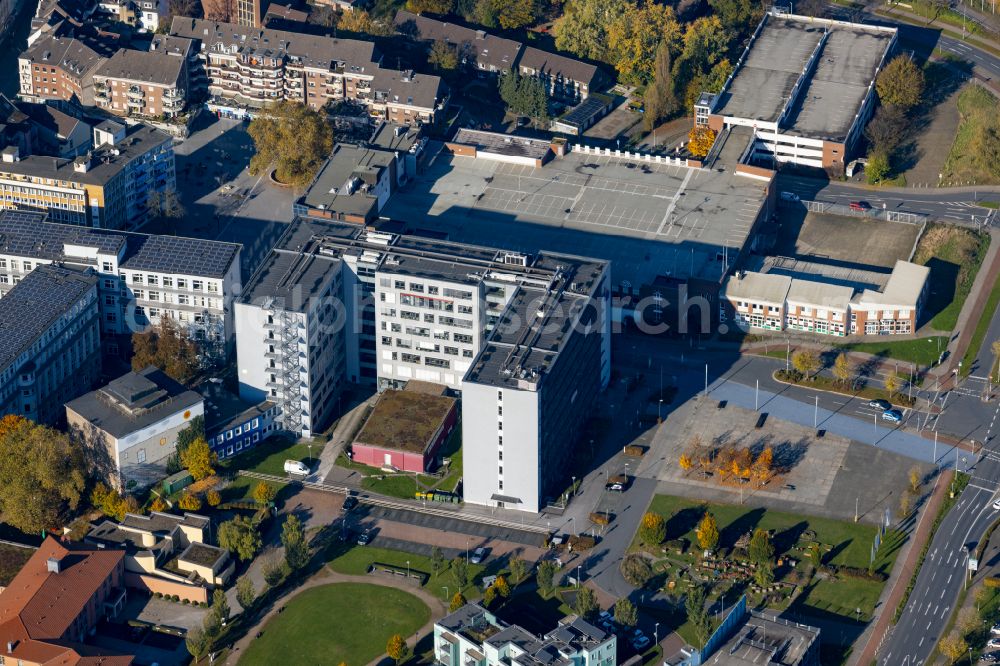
{"x": 59, "y": 68}
{"x": 50, "y": 342}
{"x": 149, "y": 84}
{"x": 107, "y": 188}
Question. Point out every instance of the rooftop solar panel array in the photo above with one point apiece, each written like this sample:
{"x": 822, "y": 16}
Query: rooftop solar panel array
{"x": 35, "y": 303}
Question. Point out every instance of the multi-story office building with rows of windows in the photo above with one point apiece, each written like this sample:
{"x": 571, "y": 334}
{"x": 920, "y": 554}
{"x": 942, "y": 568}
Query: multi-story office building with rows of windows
{"x": 142, "y": 277}
{"x": 337, "y": 303}
{"x": 49, "y": 342}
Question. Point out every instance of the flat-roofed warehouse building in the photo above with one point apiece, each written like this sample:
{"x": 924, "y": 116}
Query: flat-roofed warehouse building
{"x": 805, "y": 85}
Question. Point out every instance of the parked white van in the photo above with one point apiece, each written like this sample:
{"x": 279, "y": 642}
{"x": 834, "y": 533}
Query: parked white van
{"x": 296, "y": 467}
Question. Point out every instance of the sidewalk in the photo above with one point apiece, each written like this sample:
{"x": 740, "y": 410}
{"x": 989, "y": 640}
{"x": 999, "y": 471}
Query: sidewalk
{"x": 969, "y": 316}
{"x": 340, "y": 436}
{"x": 899, "y": 580}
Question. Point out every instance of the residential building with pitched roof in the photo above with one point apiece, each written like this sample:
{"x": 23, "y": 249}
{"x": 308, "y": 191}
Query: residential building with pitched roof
{"x": 59, "y": 68}
{"x": 56, "y": 600}
{"x": 143, "y": 83}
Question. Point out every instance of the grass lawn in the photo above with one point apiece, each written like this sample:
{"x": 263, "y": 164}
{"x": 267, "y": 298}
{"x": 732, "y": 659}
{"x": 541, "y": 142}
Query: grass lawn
{"x": 452, "y": 450}
{"x": 241, "y": 489}
{"x": 954, "y": 255}
{"x": 965, "y": 163}
{"x": 12, "y": 558}
{"x": 343, "y": 622}
{"x": 923, "y": 351}
{"x": 269, "y": 456}
{"x": 355, "y": 560}
{"x": 843, "y": 543}
{"x": 979, "y": 334}
{"x": 397, "y": 485}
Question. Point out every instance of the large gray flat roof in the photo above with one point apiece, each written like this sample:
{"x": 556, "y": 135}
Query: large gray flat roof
{"x": 648, "y": 219}
{"x": 761, "y": 87}
{"x": 832, "y": 90}
{"x": 846, "y": 68}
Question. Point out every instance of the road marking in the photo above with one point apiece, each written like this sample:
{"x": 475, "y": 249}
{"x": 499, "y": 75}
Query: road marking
{"x": 948, "y": 582}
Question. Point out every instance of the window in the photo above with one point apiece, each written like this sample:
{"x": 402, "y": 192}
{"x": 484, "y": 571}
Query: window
{"x": 141, "y": 455}
{"x": 196, "y": 285}
{"x": 181, "y": 283}
{"x": 168, "y": 282}
{"x": 106, "y": 267}
{"x": 152, "y": 279}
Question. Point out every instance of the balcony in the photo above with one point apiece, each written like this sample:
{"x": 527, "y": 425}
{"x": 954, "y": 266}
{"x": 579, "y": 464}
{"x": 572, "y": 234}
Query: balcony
{"x": 136, "y": 103}
{"x": 135, "y": 93}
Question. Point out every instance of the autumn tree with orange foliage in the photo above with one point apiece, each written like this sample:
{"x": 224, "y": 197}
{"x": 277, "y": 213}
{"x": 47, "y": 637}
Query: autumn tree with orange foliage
{"x": 701, "y": 139}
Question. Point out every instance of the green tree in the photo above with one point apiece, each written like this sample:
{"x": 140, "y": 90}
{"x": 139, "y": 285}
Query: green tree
{"x": 42, "y": 475}
{"x": 660, "y": 98}
{"x": 460, "y": 572}
{"x": 213, "y": 498}
{"x": 877, "y": 168}
{"x": 273, "y": 570}
{"x": 220, "y": 605}
{"x": 199, "y": 459}
{"x": 189, "y": 501}
{"x": 513, "y": 14}
{"x": 887, "y": 129}
{"x": 293, "y": 138}
{"x": 430, "y": 6}
{"x": 761, "y": 550}
{"x": 900, "y": 83}
{"x": 582, "y": 28}
{"x": 626, "y": 614}
{"x": 586, "y": 603}
{"x": 953, "y": 647}
{"x": 241, "y": 537}
{"x": 264, "y": 493}
{"x": 359, "y": 21}
{"x": 842, "y": 369}
{"x": 293, "y": 538}
{"x": 545, "y": 577}
{"x": 697, "y": 614}
{"x": 197, "y": 643}
{"x": 705, "y": 45}
{"x": 764, "y": 575}
{"x": 443, "y": 56}
{"x": 438, "y": 562}
{"x": 707, "y": 532}
{"x": 518, "y": 570}
{"x": 892, "y": 383}
{"x": 212, "y": 625}
{"x": 524, "y": 95}
{"x": 397, "y": 648}
{"x": 168, "y": 347}
{"x": 457, "y": 601}
{"x": 484, "y": 12}
{"x": 164, "y": 207}
{"x": 738, "y": 16}
{"x": 652, "y": 529}
{"x": 635, "y": 36}
{"x": 806, "y": 361}
{"x": 195, "y": 429}
{"x": 489, "y": 596}
{"x": 246, "y": 595}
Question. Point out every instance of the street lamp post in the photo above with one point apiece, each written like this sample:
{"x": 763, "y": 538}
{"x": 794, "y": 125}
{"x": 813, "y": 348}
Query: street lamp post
{"x": 407, "y": 571}
{"x": 445, "y": 588}
{"x": 656, "y": 633}
{"x": 574, "y": 486}
{"x": 578, "y": 567}
{"x": 659, "y": 411}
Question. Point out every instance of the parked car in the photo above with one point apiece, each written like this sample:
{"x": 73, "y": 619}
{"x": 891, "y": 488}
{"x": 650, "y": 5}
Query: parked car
{"x": 350, "y": 502}
{"x": 893, "y": 415}
{"x": 990, "y": 658}
{"x": 605, "y": 615}
{"x": 789, "y": 196}
{"x": 860, "y": 205}
{"x": 879, "y": 403}
{"x": 995, "y": 629}
{"x": 993, "y": 643}
{"x": 478, "y": 555}
{"x": 365, "y": 538}
{"x": 296, "y": 467}
{"x": 640, "y": 643}
{"x": 617, "y": 483}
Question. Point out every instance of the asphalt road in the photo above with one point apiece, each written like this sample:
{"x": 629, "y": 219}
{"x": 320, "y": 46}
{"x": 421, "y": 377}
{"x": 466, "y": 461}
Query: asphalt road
{"x": 942, "y": 575}
{"x": 944, "y": 205}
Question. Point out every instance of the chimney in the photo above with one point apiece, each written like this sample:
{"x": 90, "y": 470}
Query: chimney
{"x": 10, "y": 647}
{"x": 53, "y": 565}
{"x": 11, "y": 154}
{"x": 81, "y": 165}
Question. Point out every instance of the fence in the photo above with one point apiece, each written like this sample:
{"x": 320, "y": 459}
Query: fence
{"x": 830, "y": 208}
{"x": 624, "y": 154}
{"x": 402, "y": 505}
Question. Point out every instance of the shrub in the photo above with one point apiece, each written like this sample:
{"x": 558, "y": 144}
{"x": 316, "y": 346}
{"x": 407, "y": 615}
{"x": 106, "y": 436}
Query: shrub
{"x": 185, "y": 601}
{"x": 636, "y": 570}
{"x": 634, "y": 451}
{"x": 854, "y": 572}
{"x": 653, "y": 529}
{"x": 189, "y": 502}
{"x": 582, "y": 542}
{"x": 175, "y": 598}
{"x": 992, "y": 581}
{"x": 600, "y": 518}
{"x": 159, "y": 595}
{"x": 213, "y": 497}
